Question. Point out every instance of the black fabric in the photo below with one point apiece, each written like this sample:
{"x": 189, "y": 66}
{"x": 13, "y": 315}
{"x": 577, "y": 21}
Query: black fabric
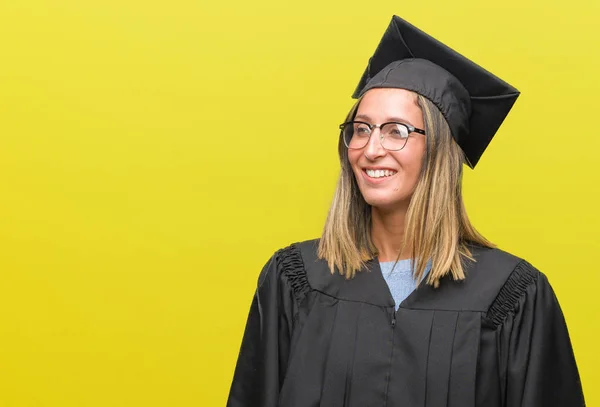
{"x": 473, "y": 100}
{"x": 262, "y": 363}
{"x": 535, "y": 350}
{"x": 514, "y": 288}
{"x": 290, "y": 263}
{"x": 314, "y": 338}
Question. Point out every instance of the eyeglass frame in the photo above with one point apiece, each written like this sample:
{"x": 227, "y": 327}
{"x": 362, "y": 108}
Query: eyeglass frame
{"x": 409, "y": 127}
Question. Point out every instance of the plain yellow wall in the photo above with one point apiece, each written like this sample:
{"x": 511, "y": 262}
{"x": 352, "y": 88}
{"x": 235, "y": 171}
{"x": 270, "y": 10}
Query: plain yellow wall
{"x": 154, "y": 154}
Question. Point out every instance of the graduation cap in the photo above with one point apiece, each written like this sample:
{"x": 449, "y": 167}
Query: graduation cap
{"x": 473, "y": 101}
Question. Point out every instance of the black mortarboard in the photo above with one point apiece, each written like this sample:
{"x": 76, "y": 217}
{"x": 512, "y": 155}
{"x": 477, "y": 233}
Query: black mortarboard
{"x": 473, "y": 101}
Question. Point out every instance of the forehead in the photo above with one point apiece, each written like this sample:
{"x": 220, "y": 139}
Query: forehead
{"x": 383, "y": 103}
{"x": 387, "y": 95}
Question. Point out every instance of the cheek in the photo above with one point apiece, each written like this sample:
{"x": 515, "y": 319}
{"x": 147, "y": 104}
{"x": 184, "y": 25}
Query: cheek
{"x": 416, "y": 155}
{"x": 411, "y": 164}
{"x": 416, "y": 164}
{"x": 353, "y": 157}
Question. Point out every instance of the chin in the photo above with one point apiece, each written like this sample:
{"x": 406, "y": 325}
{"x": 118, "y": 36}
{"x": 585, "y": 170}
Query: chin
{"x": 387, "y": 202}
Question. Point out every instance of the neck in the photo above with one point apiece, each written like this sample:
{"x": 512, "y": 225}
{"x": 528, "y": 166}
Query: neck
{"x": 387, "y": 233}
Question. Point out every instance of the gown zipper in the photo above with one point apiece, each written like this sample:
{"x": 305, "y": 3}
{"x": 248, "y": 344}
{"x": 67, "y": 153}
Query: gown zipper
{"x": 389, "y": 374}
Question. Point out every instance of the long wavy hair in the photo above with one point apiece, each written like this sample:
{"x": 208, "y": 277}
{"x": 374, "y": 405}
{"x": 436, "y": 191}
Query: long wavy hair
{"x": 436, "y": 222}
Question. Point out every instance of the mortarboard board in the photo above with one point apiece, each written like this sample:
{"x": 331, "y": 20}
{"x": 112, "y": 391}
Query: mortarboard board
{"x": 473, "y": 100}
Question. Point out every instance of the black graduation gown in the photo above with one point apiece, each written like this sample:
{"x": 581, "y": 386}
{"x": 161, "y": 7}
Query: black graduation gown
{"x": 313, "y": 338}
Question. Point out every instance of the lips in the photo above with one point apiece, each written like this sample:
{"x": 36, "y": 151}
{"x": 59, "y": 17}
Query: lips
{"x": 380, "y": 173}
{"x": 376, "y": 176}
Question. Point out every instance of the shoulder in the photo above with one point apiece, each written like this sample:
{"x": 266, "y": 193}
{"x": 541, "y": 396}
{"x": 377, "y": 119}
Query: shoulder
{"x": 299, "y": 265}
{"x": 298, "y": 257}
{"x": 286, "y": 269}
{"x": 502, "y": 276}
{"x": 490, "y": 277}
{"x": 491, "y": 265}
{"x": 304, "y": 257}
{"x": 294, "y": 258}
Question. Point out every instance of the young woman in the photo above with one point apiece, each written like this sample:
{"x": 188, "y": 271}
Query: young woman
{"x": 339, "y": 321}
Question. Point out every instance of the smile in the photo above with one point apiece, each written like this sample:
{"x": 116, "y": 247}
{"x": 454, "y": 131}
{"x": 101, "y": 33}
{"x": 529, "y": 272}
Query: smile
{"x": 380, "y": 173}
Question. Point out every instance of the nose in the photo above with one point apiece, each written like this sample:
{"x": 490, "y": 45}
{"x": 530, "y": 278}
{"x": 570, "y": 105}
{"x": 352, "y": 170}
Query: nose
{"x": 374, "y": 149}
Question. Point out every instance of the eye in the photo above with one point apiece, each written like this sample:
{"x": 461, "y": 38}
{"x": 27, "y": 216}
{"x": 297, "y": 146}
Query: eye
{"x": 396, "y": 130}
{"x": 361, "y": 129}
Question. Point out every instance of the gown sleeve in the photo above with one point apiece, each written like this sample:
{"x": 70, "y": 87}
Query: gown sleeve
{"x": 540, "y": 368}
{"x": 262, "y": 361}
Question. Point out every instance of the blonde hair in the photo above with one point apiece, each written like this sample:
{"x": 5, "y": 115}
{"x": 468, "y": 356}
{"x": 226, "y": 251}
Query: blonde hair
{"x": 436, "y": 220}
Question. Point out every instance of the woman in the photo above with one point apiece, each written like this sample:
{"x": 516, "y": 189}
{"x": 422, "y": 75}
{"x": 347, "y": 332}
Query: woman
{"x": 338, "y": 322}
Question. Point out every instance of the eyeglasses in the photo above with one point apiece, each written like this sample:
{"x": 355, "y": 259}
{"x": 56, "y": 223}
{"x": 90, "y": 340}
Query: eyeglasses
{"x": 393, "y": 136}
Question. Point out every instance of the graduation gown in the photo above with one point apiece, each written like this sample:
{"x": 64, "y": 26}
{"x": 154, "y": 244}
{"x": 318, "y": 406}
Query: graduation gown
{"x": 497, "y": 338}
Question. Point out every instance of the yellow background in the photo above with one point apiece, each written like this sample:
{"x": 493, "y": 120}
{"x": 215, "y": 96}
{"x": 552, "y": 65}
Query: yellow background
{"x": 154, "y": 154}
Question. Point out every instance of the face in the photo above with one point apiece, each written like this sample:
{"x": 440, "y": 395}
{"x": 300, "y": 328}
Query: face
{"x": 387, "y": 179}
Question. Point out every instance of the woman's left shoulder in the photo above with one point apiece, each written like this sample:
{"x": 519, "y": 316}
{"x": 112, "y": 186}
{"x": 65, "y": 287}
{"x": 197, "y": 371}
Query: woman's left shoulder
{"x": 500, "y": 277}
{"x": 533, "y": 343}
{"x": 498, "y": 265}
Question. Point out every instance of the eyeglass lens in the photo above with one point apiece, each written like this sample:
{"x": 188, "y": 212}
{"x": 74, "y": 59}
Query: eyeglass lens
{"x": 394, "y": 135}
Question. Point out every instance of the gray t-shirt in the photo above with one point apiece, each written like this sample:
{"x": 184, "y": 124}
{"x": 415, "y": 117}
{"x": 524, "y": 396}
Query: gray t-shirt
{"x": 400, "y": 278}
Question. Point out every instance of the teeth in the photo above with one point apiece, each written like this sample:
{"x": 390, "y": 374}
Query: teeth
{"x": 380, "y": 173}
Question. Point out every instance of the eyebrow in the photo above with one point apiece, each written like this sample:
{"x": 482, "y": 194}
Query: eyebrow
{"x": 389, "y": 119}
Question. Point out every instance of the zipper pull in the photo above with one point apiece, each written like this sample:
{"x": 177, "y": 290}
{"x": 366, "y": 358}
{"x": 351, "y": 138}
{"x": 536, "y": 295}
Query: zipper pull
{"x": 393, "y": 319}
